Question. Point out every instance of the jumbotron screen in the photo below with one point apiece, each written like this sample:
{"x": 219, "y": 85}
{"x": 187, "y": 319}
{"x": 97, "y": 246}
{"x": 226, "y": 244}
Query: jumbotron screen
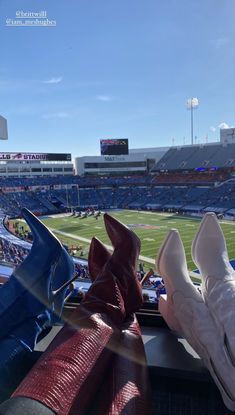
{"x": 114, "y": 146}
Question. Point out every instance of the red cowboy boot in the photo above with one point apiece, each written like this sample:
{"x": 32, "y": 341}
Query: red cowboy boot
{"x": 126, "y": 388}
{"x": 127, "y": 246}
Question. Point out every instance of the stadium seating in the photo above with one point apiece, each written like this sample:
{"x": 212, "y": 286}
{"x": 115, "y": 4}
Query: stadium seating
{"x": 164, "y": 197}
{"x": 193, "y": 157}
{"x": 184, "y": 191}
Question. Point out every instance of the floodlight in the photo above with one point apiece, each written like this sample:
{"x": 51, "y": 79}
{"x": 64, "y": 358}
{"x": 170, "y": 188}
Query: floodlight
{"x": 192, "y": 104}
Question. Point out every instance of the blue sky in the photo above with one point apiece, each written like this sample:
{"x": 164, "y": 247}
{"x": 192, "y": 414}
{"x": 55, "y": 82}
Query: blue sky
{"x": 116, "y": 68}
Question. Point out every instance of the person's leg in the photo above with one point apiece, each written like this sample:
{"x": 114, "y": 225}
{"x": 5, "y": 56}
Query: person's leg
{"x": 189, "y": 310}
{"x": 67, "y": 376}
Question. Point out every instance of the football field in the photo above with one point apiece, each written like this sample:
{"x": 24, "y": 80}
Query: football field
{"x": 151, "y": 228}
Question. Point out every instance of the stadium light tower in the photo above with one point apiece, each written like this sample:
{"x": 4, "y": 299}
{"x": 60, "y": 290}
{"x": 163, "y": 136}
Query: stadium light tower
{"x": 192, "y": 104}
{"x": 3, "y": 128}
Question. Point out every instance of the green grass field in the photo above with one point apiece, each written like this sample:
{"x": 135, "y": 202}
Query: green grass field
{"x": 150, "y": 227}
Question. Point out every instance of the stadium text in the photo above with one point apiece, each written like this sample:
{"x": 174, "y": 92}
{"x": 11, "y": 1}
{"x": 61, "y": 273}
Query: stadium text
{"x": 35, "y": 156}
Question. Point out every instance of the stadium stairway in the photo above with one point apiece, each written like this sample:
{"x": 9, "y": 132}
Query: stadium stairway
{"x": 47, "y": 204}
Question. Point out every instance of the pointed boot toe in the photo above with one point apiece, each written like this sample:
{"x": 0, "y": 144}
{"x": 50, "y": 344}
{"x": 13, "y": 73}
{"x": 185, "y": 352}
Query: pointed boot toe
{"x": 97, "y": 257}
{"x": 122, "y": 239}
{"x": 209, "y": 251}
{"x": 124, "y": 262}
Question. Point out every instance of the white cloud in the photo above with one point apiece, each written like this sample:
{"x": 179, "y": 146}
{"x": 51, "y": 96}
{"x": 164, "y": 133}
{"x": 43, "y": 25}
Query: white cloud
{"x": 223, "y": 125}
{"x": 56, "y": 115}
{"x": 104, "y": 98}
{"x": 53, "y": 80}
{"x": 67, "y": 112}
{"x": 220, "y": 42}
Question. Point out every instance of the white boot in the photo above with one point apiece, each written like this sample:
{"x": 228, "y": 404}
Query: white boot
{"x": 188, "y": 310}
{"x": 171, "y": 256}
{"x": 209, "y": 249}
{"x": 209, "y": 253}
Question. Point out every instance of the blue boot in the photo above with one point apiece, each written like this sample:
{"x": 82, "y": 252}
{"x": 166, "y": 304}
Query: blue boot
{"x": 36, "y": 284}
{"x": 15, "y": 352}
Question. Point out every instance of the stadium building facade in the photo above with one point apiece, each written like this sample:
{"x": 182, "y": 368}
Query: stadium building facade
{"x": 35, "y": 164}
{"x": 146, "y": 160}
{"x": 138, "y": 161}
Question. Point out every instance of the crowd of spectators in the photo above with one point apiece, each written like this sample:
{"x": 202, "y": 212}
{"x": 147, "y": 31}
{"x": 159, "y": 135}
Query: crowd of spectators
{"x": 82, "y": 271}
{"x": 12, "y": 254}
{"x": 160, "y": 189}
{"x": 19, "y": 230}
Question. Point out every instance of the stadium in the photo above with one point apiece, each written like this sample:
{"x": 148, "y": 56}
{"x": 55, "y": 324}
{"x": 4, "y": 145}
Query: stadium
{"x": 172, "y": 189}
{"x": 151, "y": 191}
{"x": 117, "y": 208}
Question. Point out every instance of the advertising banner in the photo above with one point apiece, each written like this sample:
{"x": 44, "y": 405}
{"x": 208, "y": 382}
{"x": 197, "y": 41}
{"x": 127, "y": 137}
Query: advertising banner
{"x": 36, "y": 156}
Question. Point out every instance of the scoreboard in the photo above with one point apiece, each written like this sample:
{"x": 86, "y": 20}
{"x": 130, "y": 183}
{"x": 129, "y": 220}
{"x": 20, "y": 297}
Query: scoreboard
{"x": 114, "y": 146}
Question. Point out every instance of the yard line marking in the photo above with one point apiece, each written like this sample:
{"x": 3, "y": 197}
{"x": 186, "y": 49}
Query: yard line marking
{"x": 60, "y": 215}
{"x": 80, "y": 238}
{"x": 148, "y": 239}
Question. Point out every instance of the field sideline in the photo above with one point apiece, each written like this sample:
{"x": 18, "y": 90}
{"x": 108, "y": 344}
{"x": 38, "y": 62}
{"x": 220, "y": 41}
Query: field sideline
{"x": 151, "y": 228}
